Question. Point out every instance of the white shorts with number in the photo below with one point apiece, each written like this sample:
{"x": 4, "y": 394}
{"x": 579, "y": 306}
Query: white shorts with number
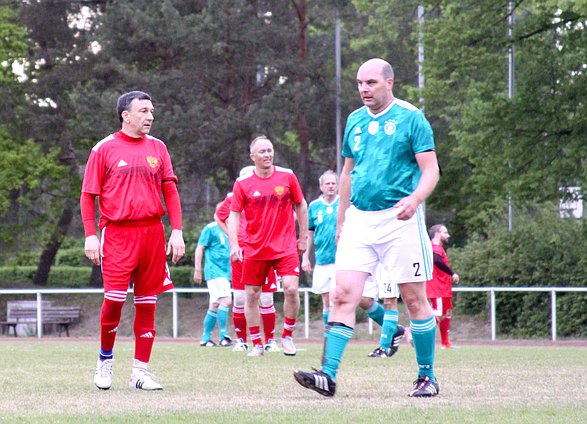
{"x": 372, "y": 237}
{"x": 380, "y": 286}
{"x": 323, "y": 278}
{"x": 218, "y": 288}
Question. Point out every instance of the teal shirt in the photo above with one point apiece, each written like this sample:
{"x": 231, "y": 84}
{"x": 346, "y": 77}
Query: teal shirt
{"x": 384, "y": 147}
{"x": 322, "y": 221}
{"x": 217, "y": 252}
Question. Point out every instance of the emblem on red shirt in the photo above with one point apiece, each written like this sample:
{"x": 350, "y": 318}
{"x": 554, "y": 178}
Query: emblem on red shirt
{"x": 279, "y": 190}
{"x": 152, "y": 161}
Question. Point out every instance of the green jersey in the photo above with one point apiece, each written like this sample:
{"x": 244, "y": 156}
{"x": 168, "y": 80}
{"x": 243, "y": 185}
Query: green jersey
{"x": 383, "y": 147}
{"x": 322, "y": 221}
{"x": 217, "y": 252}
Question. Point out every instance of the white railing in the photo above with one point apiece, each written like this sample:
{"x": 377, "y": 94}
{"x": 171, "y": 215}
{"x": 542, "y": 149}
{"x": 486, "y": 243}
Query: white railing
{"x": 306, "y": 303}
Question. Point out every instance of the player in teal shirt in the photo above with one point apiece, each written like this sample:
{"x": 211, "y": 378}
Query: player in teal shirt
{"x": 390, "y": 169}
{"x": 213, "y": 245}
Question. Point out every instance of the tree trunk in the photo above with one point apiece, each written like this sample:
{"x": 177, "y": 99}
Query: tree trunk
{"x": 52, "y": 247}
{"x": 50, "y": 250}
{"x": 96, "y": 277}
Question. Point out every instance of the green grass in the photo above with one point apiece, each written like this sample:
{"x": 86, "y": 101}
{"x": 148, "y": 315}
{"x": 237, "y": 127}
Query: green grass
{"x": 51, "y": 381}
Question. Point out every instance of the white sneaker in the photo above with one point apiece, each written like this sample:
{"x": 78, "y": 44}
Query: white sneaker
{"x": 272, "y": 346}
{"x": 103, "y": 374}
{"x": 256, "y": 350}
{"x": 240, "y": 346}
{"x": 289, "y": 348}
{"x": 143, "y": 380}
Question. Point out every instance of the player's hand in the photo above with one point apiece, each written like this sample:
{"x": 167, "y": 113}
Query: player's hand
{"x": 236, "y": 253}
{"x": 406, "y": 208}
{"x": 93, "y": 249}
{"x": 302, "y": 245}
{"x": 455, "y": 278}
{"x": 176, "y": 245}
{"x": 306, "y": 265}
{"x": 198, "y": 276}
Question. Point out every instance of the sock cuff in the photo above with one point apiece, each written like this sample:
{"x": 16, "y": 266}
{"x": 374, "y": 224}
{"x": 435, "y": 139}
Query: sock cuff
{"x": 423, "y": 326}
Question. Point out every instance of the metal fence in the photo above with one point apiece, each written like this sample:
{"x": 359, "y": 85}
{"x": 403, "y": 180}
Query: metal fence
{"x": 306, "y": 302}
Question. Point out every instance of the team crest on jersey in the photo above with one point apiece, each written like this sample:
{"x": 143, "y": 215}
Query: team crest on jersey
{"x": 153, "y": 162}
{"x": 373, "y": 127}
{"x": 389, "y": 127}
{"x": 279, "y": 190}
{"x": 329, "y": 210}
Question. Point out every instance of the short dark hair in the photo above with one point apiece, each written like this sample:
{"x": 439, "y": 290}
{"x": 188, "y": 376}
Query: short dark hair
{"x": 126, "y": 99}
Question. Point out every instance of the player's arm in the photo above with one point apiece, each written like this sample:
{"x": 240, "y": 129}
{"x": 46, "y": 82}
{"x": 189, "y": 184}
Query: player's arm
{"x": 236, "y": 253}
{"x": 441, "y": 265}
{"x": 430, "y": 176}
{"x": 199, "y": 254}
{"x": 221, "y": 224}
{"x": 306, "y": 264}
{"x": 176, "y": 245}
{"x": 302, "y": 214}
{"x": 344, "y": 193}
{"x": 92, "y": 246}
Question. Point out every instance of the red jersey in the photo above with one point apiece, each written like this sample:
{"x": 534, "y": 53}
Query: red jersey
{"x": 268, "y": 205}
{"x": 441, "y": 283}
{"x": 224, "y": 210}
{"x": 126, "y": 174}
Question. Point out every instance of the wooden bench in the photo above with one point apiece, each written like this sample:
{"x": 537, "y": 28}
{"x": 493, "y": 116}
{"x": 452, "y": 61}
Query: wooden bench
{"x": 21, "y": 312}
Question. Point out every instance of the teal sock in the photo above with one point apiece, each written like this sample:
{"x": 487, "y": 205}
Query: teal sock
{"x": 388, "y": 329}
{"x": 376, "y": 312}
{"x": 222, "y": 319}
{"x": 424, "y": 336}
{"x": 325, "y": 314}
{"x": 335, "y": 341}
{"x": 209, "y": 324}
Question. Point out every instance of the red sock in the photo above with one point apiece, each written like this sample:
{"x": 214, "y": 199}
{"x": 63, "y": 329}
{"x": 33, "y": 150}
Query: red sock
{"x": 240, "y": 322}
{"x": 268, "y": 316}
{"x": 144, "y": 326}
{"x": 255, "y": 333}
{"x": 109, "y": 319}
{"x": 289, "y": 324}
{"x": 444, "y": 327}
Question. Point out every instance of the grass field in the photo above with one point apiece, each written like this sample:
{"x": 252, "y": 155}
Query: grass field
{"x": 51, "y": 381}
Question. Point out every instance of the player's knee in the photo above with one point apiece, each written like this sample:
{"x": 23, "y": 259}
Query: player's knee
{"x": 225, "y": 301}
{"x": 365, "y": 302}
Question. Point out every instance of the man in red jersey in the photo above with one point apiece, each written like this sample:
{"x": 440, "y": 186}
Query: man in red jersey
{"x": 268, "y": 195}
{"x": 266, "y": 304}
{"x": 439, "y": 289}
{"x": 128, "y": 171}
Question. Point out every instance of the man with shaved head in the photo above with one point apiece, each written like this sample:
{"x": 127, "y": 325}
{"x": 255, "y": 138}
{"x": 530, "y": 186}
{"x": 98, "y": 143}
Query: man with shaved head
{"x": 390, "y": 169}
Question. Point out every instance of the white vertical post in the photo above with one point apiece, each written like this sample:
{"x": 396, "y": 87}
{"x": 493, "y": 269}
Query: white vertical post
{"x": 370, "y": 326}
{"x": 39, "y": 315}
{"x": 553, "y": 314}
{"x": 174, "y": 313}
{"x": 306, "y": 314}
{"x": 337, "y": 57}
{"x": 492, "y": 313}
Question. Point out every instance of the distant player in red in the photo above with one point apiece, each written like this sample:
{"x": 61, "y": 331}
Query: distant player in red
{"x": 439, "y": 289}
{"x": 266, "y": 304}
{"x": 128, "y": 171}
{"x": 268, "y": 196}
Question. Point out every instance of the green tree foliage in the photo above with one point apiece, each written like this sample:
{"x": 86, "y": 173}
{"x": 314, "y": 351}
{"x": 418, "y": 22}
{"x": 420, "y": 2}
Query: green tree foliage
{"x": 542, "y": 250}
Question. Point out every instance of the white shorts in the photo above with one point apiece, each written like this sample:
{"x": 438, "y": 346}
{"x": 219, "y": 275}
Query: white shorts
{"x": 218, "y": 288}
{"x": 372, "y": 237}
{"x": 380, "y": 286}
{"x": 323, "y": 278}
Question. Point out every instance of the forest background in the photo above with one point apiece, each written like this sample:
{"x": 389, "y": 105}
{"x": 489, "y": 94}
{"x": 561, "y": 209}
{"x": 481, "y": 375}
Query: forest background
{"x": 511, "y": 140}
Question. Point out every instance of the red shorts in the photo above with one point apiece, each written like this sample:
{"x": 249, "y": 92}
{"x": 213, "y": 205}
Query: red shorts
{"x": 255, "y": 271}
{"x": 135, "y": 250}
{"x": 441, "y": 305}
{"x": 270, "y": 285}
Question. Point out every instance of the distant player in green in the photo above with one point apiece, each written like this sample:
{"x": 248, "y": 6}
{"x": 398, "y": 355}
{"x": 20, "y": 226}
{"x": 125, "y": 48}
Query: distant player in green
{"x": 213, "y": 246}
{"x": 390, "y": 168}
{"x": 322, "y": 214}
